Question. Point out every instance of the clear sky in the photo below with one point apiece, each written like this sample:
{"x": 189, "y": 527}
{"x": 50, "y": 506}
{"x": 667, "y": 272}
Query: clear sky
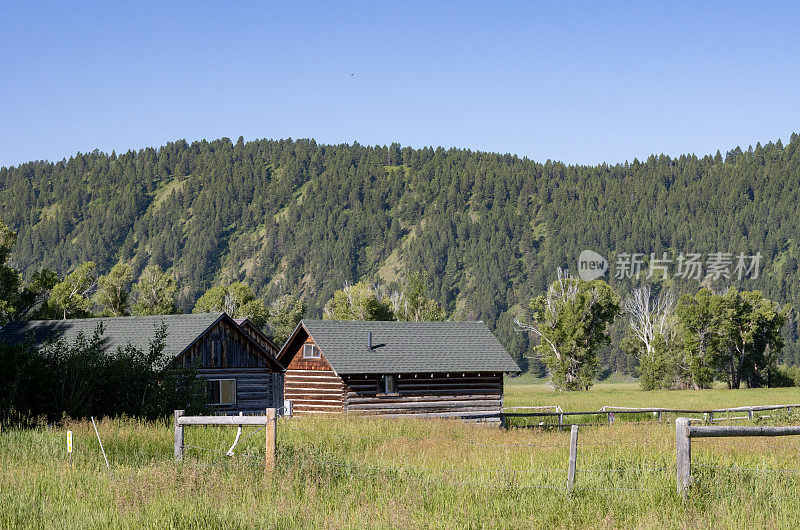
{"x": 581, "y": 82}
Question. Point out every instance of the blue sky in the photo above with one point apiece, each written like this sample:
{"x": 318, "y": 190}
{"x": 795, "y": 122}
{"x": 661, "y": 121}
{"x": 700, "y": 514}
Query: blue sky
{"x": 581, "y": 82}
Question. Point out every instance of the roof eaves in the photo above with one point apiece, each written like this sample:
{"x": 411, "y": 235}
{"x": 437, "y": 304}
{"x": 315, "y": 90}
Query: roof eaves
{"x": 290, "y": 340}
{"x": 257, "y": 330}
{"x": 198, "y": 337}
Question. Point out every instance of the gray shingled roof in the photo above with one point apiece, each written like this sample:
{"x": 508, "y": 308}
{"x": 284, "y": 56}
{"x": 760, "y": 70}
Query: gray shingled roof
{"x": 138, "y": 331}
{"x": 408, "y": 347}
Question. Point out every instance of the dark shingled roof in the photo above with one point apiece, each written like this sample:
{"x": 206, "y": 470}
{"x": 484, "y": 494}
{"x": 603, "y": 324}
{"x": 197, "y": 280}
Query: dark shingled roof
{"x": 409, "y": 347}
{"x": 138, "y": 331}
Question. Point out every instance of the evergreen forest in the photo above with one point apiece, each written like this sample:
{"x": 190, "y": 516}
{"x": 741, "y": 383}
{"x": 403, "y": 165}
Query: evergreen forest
{"x": 485, "y": 231}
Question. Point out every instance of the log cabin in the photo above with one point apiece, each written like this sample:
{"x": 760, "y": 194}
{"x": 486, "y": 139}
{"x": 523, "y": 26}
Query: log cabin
{"x": 431, "y": 369}
{"x": 235, "y": 358}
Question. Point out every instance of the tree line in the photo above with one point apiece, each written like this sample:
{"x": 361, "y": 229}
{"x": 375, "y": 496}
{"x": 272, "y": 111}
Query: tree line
{"x": 732, "y": 335}
{"x": 487, "y": 229}
{"x": 83, "y": 293}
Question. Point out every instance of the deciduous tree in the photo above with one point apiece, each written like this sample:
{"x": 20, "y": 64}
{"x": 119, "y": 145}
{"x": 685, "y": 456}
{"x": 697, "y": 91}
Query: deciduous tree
{"x": 235, "y": 299}
{"x": 113, "y": 290}
{"x": 284, "y": 315}
{"x": 154, "y": 293}
{"x": 71, "y": 296}
{"x": 570, "y": 323}
{"x": 652, "y": 323}
{"x": 359, "y": 302}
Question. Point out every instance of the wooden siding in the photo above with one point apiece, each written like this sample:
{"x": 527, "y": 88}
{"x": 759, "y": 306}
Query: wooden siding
{"x": 256, "y": 388}
{"x": 311, "y": 385}
{"x": 227, "y": 352}
{"x": 225, "y": 345}
{"x": 444, "y": 395}
{"x": 258, "y": 336}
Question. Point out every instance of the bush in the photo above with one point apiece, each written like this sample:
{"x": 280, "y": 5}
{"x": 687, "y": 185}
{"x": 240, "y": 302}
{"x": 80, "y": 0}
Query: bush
{"x": 784, "y": 376}
{"x": 84, "y": 379}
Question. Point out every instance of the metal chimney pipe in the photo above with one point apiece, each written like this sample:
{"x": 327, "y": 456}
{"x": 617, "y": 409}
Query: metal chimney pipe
{"x": 369, "y": 340}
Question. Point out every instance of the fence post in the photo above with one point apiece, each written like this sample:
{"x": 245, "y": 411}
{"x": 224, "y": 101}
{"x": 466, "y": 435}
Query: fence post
{"x": 711, "y": 417}
{"x": 272, "y": 439}
{"x": 684, "y": 449}
{"x": 750, "y": 415}
{"x": 561, "y": 418}
{"x": 178, "y": 436}
{"x": 573, "y": 458}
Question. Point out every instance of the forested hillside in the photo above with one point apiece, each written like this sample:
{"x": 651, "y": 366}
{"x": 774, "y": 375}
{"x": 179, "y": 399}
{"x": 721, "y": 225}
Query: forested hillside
{"x": 487, "y": 231}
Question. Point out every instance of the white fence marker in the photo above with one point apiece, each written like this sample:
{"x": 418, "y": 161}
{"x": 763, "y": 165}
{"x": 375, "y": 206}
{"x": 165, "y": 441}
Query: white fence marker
{"x": 101, "y": 443}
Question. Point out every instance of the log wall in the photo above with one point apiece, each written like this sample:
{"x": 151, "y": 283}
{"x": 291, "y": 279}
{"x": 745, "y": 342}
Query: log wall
{"x": 227, "y": 352}
{"x": 437, "y": 395}
{"x": 256, "y": 388}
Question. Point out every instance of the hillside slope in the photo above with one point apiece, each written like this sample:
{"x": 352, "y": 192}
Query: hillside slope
{"x": 488, "y": 230}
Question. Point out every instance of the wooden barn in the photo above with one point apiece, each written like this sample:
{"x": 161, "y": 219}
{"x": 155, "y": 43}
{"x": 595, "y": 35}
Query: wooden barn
{"x": 236, "y": 358}
{"x": 434, "y": 369}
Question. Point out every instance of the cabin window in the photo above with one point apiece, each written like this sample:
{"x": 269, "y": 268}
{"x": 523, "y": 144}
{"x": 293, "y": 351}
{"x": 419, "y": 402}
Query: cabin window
{"x": 310, "y": 351}
{"x": 387, "y": 384}
{"x": 221, "y": 391}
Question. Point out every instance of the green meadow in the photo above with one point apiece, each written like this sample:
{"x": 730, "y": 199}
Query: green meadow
{"x": 348, "y": 471}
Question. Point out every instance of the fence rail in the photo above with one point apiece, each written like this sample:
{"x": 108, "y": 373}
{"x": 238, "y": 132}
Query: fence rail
{"x": 611, "y": 412}
{"x": 685, "y": 431}
{"x": 269, "y": 423}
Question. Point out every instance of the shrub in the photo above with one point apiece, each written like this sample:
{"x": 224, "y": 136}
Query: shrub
{"x": 84, "y": 378}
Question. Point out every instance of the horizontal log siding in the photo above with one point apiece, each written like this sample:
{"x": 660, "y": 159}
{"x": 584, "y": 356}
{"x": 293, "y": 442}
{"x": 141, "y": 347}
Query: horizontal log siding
{"x": 256, "y": 388}
{"x": 444, "y": 395}
{"x": 312, "y": 386}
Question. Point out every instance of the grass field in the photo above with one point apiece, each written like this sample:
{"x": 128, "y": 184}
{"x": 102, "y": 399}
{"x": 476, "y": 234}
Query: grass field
{"x": 528, "y": 393}
{"x": 356, "y": 472}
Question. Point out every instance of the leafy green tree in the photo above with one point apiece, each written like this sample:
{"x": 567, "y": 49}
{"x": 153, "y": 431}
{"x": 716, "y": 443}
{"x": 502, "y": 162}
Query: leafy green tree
{"x": 113, "y": 290}
{"x": 751, "y": 336}
{"x": 142, "y": 383}
{"x": 700, "y": 318}
{"x": 10, "y": 280}
{"x": 235, "y": 299}
{"x": 359, "y": 302}
{"x": 154, "y": 293}
{"x": 284, "y": 315}
{"x": 659, "y": 367}
{"x": 84, "y": 378}
{"x": 571, "y": 322}
{"x": 71, "y": 296}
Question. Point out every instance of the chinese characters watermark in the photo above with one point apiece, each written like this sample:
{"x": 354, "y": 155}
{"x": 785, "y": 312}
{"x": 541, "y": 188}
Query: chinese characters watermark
{"x": 687, "y": 266}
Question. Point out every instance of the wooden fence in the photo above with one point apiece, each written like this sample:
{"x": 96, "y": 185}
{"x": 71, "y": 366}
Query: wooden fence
{"x": 685, "y": 431}
{"x": 610, "y": 413}
{"x": 269, "y": 422}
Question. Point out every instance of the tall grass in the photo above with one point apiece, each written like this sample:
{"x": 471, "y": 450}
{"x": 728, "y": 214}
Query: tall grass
{"x": 359, "y": 472}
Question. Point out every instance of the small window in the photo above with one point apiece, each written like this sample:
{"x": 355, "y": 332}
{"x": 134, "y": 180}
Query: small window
{"x": 387, "y": 384}
{"x": 221, "y": 391}
{"x": 310, "y": 351}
